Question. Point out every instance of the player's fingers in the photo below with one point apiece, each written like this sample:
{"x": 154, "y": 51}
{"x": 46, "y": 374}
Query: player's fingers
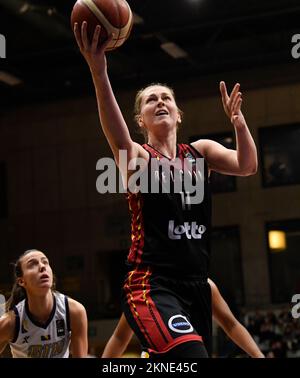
{"x": 107, "y": 42}
{"x": 233, "y": 94}
{"x": 77, "y": 35}
{"x": 235, "y": 89}
{"x": 235, "y": 99}
{"x": 96, "y": 38}
{"x": 225, "y": 97}
{"x": 237, "y": 106}
{"x": 224, "y": 93}
{"x": 84, "y": 37}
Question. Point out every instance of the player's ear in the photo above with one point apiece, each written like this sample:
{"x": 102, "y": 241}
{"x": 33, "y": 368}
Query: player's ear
{"x": 20, "y": 281}
{"x": 179, "y": 118}
{"x": 140, "y": 121}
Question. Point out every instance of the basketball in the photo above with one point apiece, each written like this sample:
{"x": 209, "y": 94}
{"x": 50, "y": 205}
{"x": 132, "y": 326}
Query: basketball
{"x": 114, "y": 16}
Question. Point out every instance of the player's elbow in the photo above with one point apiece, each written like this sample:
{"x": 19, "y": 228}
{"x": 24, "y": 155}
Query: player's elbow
{"x": 248, "y": 164}
{"x": 229, "y": 325}
{"x": 250, "y": 170}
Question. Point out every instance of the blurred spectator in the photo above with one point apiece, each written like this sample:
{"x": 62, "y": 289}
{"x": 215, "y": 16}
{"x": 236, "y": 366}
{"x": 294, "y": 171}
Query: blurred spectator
{"x": 276, "y": 333}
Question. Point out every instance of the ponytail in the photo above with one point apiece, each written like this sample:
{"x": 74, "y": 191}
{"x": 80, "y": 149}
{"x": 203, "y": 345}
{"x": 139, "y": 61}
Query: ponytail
{"x": 18, "y": 293}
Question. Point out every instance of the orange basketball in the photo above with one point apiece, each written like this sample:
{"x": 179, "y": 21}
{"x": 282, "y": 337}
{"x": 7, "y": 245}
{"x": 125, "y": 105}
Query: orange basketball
{"x": 114, "y": 16}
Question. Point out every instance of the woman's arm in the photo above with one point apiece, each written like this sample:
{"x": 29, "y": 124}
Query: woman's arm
{"x": 243, "y": 160}
{"x": 78, "y": 324}
{"x": 7, "y": 328}
{"x": 231, "y": 326}
{"x": 119, "y": 340}
{"x": 111, "y": 118}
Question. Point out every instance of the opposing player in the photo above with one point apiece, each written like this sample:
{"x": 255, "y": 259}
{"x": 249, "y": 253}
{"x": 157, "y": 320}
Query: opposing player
{"x": 41, "y": 322}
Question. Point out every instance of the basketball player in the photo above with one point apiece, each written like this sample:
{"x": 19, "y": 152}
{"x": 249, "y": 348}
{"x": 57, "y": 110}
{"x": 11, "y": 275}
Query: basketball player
{"x": 41, "y": 322}
{"x": 118, "y": 342}
{"x": 167, "y": 299}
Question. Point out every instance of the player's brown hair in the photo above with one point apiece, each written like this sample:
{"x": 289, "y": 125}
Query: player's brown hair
{"x": 18, "y": 293}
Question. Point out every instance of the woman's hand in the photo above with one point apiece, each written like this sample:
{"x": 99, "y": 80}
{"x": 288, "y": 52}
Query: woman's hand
{"x": 232, "y": 105}
{"x": 92, "y": 52}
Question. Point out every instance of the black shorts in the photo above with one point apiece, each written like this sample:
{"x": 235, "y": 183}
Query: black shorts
{"x": 165, "y": 311}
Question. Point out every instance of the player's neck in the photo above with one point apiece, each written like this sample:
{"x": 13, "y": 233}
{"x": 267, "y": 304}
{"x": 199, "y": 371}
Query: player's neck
{"x": 166, "y": 146}
{"x": 40, "y": 307}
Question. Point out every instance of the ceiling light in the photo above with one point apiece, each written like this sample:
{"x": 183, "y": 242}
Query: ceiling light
{"x": 24, "y": 8}
{"x": 174, "y": 50}
{"x": 9, "y": 79}
{"x": 137, "y": 19}
{"x": 50, "y": 11}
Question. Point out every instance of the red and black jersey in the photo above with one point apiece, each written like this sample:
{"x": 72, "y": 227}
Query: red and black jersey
{"x": 168, "y": 232}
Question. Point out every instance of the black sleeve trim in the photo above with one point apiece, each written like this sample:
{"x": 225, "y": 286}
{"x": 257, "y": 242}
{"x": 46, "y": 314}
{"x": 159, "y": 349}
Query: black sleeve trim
{"x": 196, "y": 151}
{"x": 17, "y": 325}
{"x": 67, "y": 313}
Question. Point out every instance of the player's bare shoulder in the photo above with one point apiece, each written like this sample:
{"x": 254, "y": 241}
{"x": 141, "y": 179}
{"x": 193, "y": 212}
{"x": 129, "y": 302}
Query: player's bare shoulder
{"x": 76, "y": 309}
{"x": 79, "y": 328}
{"x": 78, "y": 322}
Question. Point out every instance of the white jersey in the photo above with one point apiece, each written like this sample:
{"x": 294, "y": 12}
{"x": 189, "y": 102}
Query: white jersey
{"x": 35, "y": 340}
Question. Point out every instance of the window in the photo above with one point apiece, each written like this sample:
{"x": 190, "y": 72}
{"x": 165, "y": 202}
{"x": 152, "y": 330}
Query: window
{"x": 3, "y": 191}
{"x": 279, "y": 147}
{"x": 220, "y": 183}
{"x": 226, "y": 267}
{"x": 284, "y": 261}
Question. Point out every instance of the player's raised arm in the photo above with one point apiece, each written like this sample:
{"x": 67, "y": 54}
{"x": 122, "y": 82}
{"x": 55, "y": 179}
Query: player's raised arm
{"x": 99, "y": 27}
{"x": 243, "y": 160}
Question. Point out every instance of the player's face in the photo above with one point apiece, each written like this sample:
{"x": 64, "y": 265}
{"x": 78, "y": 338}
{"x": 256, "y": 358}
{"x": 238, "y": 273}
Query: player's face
{"x": 37, "y": 273}
{"x": 158, "y": 109}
